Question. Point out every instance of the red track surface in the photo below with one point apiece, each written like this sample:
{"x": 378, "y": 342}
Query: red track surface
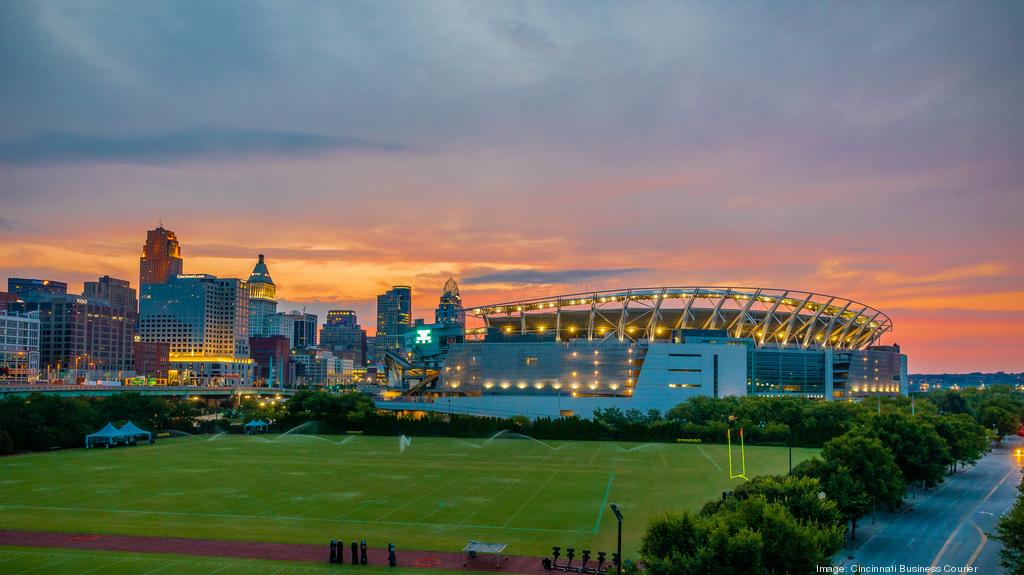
{"x": 258, "y": 550}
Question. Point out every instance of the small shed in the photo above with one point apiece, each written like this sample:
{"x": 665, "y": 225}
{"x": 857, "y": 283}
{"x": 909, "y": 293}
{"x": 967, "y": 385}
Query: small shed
{"x": 256, "y": 426}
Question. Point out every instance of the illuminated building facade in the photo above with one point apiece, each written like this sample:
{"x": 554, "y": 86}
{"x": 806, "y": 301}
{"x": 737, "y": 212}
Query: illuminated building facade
{"x": 653, "y": 348}
{"x": 322, "y": 368}
{"x": 394, "y": 318}
{"x": 262, "y": 299}
{"x": 205, "y": 319}
{"x": 118, "y": 293}
{"x": 19, "y": 348}
{"x": 449, "y": 309}
{"x": 161, "y": 257}
{"x": 79, "y": 337}
{"x": 24, "y": 287}
{"x": 343, "y": 336}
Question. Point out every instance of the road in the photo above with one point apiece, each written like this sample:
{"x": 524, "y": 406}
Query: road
{"x": 951, "y": 526}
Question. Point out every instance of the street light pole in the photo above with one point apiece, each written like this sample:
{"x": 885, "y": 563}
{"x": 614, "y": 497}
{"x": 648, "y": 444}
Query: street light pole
{"x": 618, "y": 562}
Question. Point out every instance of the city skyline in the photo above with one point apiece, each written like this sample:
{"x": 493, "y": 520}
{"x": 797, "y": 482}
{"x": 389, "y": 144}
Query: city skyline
{"x": 858, "y": 153}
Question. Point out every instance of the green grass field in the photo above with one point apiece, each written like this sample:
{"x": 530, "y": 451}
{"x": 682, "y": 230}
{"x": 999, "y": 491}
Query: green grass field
{"x": 435, "y": 494}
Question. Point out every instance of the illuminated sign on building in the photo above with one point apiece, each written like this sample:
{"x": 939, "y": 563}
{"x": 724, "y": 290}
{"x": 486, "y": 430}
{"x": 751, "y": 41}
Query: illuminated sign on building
{"x": 423, "y": 336}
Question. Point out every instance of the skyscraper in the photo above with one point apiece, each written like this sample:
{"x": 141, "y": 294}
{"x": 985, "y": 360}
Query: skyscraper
{"x": 449, "y": 309}
{"x": 299, "y": 327}
{"x": 206, "y": 321}
{"x": 118, "y": 293}
{"x": 343, "y": 336}
{"x": 161, "y": 257}
{"x": 262, "y": 299}
{"x": 394, "y": 317}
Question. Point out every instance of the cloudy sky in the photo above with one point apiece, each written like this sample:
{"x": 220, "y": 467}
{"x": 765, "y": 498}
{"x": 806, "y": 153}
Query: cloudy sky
{"x": 872, "y": 150}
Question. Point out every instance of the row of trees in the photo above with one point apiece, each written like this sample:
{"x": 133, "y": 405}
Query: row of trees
{"x": 41, "y": 422}
{"x": 1010, "y": 532}
{"x": 886, "y": 447}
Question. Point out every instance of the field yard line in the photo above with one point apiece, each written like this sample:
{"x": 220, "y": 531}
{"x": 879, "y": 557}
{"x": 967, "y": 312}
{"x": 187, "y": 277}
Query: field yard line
{"x": 388, "y": 496}
{"x": 121, "y": 560}
{"x": 604, "y": 502}
{"x": 47, "y": 566}
{"x": 463, "y": 494}
{"x": 435, "y": 490}
{"x": 701, "y": 448}
{"x": 164, "y": 566}
{"x": 489, "y": 501}
{"x": 530, "y": 498}
{"x": 663, "y": 459}
{"x": 593, "y": 457}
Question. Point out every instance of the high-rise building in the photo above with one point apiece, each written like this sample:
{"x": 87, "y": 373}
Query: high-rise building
{"x": 205, "y": 319}
{"x": 161, "y": 257}
{"x": 19, "y": 348}
{"x": 299, "y": 327}
{"x": 118, "y": 293}
{"x": 342, "y": 317}
{"x": 262, "y": 299}
{"x": 23, "y": 287}
{"x": 272, "y": 358}
{"x": 449, "y": 308}
{"x": 394, "y": 317}
{"x": 343, "y": 336}
{"x": 80, "y": 337}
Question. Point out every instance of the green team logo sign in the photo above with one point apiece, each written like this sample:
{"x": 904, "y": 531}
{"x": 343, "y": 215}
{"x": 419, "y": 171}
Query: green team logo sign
{"x": 423, "y": 336}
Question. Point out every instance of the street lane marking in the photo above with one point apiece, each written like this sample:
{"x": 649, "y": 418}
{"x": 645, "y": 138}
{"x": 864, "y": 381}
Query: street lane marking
{"x": 984, "y": 540}
{"x": 964, "y": 520}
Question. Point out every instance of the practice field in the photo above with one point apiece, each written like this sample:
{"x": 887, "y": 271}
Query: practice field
{"x": 434, "y": 493}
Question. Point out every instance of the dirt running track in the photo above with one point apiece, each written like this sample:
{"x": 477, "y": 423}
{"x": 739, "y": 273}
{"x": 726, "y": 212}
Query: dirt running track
{"x": 259, "y": 550}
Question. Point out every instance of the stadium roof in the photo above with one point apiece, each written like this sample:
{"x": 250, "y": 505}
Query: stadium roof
{"x": 769, "y": 316}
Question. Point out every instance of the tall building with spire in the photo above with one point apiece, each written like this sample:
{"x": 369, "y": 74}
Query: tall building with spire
{"x": 262, "y": 300}
{"x": 161, "y": 257}
{"x": 449, "y": 308}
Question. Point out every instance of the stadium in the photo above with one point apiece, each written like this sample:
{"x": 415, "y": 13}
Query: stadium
{"x": 651, "y": 348}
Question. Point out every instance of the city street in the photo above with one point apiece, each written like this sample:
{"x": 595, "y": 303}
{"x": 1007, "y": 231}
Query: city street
{"x": 953, "y": 525}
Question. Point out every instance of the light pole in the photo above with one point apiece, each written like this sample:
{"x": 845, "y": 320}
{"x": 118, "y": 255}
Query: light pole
{"x": 618, "y": 561}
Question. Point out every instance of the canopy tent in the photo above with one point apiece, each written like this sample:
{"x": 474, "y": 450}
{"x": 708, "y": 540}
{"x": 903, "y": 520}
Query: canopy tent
{"x": 257, "y": 426}
{"x": 108, "y": 436}
{"x": 132, "y": 431}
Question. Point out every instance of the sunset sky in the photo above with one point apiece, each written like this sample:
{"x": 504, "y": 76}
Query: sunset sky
{"x": 870, "y": 150}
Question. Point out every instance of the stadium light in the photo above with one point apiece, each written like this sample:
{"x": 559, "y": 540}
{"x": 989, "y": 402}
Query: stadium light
{"x": 618, "y": 561}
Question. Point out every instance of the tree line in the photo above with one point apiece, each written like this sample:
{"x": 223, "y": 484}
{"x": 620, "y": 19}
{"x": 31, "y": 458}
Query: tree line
{"x": 774, "y": 525}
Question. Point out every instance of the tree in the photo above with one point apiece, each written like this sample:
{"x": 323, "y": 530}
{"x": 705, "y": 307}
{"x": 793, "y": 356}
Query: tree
{"x": 999, "y": 418}
{"x": 858, "y": 472}
{"x": 919, "y": 450}
{"x": 1010, "y": 531}
{"x": 967, "y": 440}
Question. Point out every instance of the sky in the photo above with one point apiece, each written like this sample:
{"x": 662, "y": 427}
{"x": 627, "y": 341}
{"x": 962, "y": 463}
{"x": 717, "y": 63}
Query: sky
{"x": 870, "y": 150}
